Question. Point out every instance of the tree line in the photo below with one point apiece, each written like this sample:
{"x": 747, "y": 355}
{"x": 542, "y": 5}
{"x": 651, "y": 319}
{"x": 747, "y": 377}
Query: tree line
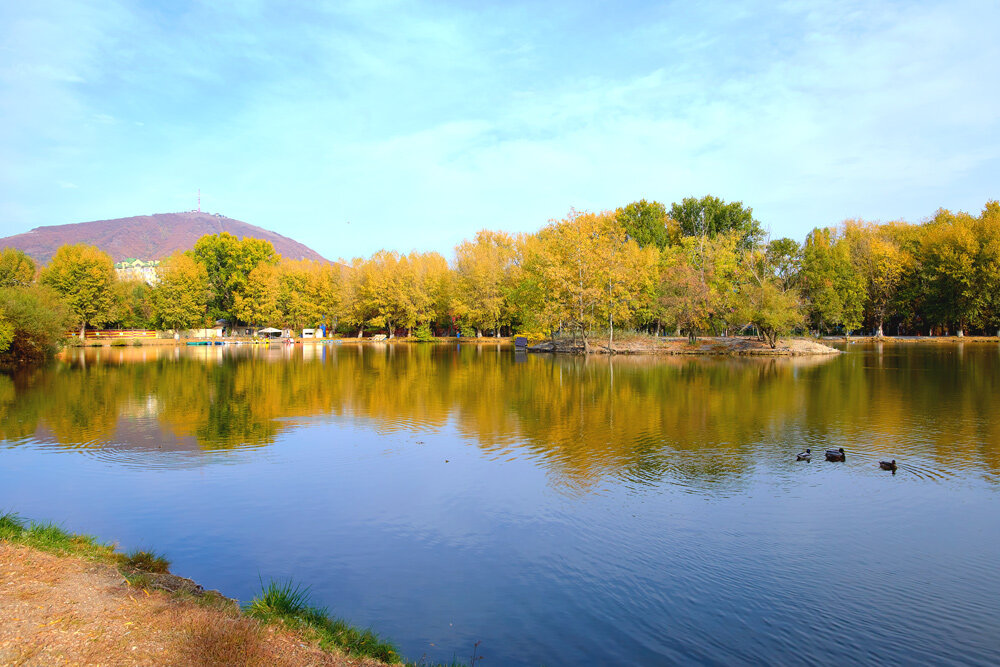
{"x": 701, "y": 266}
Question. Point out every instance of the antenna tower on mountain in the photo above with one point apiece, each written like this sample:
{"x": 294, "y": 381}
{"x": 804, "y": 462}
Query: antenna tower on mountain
{"x": 199, "y": 200}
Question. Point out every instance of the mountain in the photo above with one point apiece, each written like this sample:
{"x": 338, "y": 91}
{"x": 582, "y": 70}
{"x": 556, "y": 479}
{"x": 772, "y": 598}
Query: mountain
{"x": 148, "y": 236}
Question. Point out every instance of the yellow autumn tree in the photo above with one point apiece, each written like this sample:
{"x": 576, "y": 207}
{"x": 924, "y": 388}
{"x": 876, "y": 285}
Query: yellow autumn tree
{"x": 880, "y": 262}
{"x": 257, "y": 302}
{"x": 85, "y": 277}
{"x": 482, "y": 268}
{"x": 180, "y": 298}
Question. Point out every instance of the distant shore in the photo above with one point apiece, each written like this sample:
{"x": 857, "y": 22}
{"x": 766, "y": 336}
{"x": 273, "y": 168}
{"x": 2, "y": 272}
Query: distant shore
{"x": 731, "y": 346}
{"x": 629, "y": 344}
{"x": 912, "y": 339}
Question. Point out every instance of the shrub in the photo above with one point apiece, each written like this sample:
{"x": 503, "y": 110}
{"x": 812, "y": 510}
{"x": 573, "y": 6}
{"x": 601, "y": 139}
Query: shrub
{"x": 533, "y": 336}
{"x": 37, "y": 318}
{"x": 146, "y": 561}
{"x": 423, "y": 333}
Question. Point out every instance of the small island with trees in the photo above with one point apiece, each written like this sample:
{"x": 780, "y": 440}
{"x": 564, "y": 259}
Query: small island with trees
{"x": 698, "y": 277}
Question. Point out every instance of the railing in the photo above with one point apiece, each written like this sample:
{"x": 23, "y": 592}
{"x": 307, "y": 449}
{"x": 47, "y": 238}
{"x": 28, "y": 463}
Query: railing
{"x": 115, "y": 333}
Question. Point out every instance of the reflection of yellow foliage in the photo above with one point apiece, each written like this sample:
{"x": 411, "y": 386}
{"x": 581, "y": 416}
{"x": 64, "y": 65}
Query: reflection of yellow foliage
{"x": 587, "y": 418}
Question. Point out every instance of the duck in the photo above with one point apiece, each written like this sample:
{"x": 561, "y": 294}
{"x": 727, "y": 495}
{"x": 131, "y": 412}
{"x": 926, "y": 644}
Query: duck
{"x": 804, "y": 456}
{"x": 836, "y": 454}
{"x": 888, "y": 465}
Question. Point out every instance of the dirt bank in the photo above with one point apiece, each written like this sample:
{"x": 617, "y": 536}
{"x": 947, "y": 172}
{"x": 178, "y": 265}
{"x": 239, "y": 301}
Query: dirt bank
{"x": 729, "y": 346}
{"x": 68, "y": 610}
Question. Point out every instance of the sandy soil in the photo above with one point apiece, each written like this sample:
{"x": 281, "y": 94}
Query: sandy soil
{"x": 59, "y": 610}
{"x": 729, "y": 346}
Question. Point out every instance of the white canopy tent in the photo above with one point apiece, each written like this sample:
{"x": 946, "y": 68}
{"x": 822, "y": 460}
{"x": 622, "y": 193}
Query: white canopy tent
{"x": 269, "y": 332}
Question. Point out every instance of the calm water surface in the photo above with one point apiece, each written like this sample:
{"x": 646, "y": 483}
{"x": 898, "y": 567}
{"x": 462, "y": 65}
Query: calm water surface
{"x": 561, "y": 510}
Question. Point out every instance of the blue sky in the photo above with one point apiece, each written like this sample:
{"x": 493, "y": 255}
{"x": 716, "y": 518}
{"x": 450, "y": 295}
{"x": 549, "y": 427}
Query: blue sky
{"x": 419, "y": 123}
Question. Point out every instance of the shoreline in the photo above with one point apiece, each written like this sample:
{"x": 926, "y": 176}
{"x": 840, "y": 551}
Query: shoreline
{"x": 629, "y": 344}
{"x": 911, "y": 340}
{"x": 730, "y": 346}
{"x": 70, "y": 598}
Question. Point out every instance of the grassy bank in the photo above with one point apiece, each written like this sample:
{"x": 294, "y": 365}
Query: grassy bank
{"x": 276, "y": 623}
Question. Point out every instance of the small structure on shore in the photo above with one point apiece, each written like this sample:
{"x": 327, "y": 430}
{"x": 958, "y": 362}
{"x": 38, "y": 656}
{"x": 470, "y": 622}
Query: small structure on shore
{"x": 269, "y": 332}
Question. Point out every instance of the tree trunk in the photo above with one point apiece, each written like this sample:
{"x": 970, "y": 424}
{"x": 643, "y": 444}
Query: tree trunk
{"x": 878, "y": 331}
{"x": 960, "y": 333}
{"x": 611, "y": 330}
{"x": 361, "y": 332}
{"x": 83, "y": 332}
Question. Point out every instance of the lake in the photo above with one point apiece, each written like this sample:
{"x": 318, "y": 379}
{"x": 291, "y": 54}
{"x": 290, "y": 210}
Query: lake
{"x": 632, "y": 510}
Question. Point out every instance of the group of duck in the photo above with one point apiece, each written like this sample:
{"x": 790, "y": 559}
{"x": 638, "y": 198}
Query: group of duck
{"x": 839, "y": 455}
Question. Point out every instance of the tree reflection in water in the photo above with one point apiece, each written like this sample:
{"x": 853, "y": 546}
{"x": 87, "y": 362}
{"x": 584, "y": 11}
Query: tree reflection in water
{"x": 697, "y": 421}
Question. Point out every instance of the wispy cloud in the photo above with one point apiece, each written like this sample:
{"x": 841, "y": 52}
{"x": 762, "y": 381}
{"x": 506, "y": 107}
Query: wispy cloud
{"x": 426, "y": 122}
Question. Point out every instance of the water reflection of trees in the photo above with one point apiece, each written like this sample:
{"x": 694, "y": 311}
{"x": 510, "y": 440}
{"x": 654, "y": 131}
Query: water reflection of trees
{"x": 635, "y": 418}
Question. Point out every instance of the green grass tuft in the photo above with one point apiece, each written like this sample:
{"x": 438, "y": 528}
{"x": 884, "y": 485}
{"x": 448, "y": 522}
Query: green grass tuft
{"x": 289, "y": 603}
{"x": 279, "y": 599}
{"x": 11, "y": 526}
{"x": 145, "y": 561}
{"x": 50, "y": 537}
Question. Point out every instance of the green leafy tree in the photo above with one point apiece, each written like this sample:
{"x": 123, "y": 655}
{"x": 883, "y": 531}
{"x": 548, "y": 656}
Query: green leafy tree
{"x": 133, "y": 307}
{"x": 85, "y": 277}
{"x": 6, "y": 332}
{"x": 228, "y": 262}
{"x": 834, "y": 290}
{"x": 763, "y": 303}
{"x": 32, "y": 322}
{"x": 710, "y": 216}
{"x": 648, "y": 224}
{"x": 784, "y": 258}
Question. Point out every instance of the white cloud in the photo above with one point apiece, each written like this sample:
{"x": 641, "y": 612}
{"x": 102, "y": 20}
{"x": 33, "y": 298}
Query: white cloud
{"x": 427, "y": 123}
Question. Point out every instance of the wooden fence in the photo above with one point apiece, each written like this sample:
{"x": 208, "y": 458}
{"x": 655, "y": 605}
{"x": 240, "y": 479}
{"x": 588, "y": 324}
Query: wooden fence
{"x": 115, "y": 333}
